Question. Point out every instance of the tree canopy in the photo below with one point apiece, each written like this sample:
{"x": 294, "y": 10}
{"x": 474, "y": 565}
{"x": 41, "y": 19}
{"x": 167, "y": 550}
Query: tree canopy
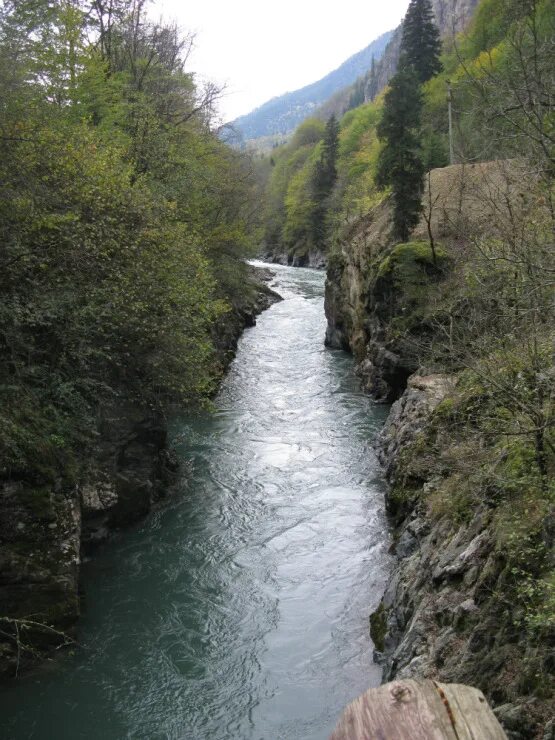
{"x": 123, "y": 223}
{"x": 420, "y": 44}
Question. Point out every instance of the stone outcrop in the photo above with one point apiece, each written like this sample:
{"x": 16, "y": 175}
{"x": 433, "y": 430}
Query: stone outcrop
{"x": 378, "y": 294}
{"x": 372, "y": 303}
{"x": 313, "y": 258}
{"x": 45, "y": 528}
{"x": 440, "y": 617}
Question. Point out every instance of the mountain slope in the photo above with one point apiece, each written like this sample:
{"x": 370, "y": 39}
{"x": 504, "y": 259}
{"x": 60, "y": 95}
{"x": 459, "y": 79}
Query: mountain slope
{"x": 452, "y": 17}
{"x": 281, "y": 115}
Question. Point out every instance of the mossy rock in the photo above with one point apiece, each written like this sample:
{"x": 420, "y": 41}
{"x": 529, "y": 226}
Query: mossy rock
{"x": 412, "y": 261}
{"x": 336, "y": 263}
{"x": 378, "y": 627}
{"x": 404, "y": 283}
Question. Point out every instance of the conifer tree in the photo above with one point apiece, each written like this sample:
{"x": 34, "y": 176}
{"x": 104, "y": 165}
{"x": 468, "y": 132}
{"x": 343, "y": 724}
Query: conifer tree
{"x": 358, "y": 94}
{"x": 372, "y": 82}
{"x": 421, "y": 45}
{"x": 400, "y": 165}
{"x": 324, "y": 178}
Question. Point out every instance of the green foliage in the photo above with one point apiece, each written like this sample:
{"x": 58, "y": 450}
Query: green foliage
{"x": 299, "y": 204}
{"x": 123, "y": 225}
{"x": 479, "y": 458}
{"x": 281, "y": 202}
{"x": 420, "y": 44}
{"x": 501, "y": 72}
{"x": 324, "y": 177}
{"x": 309, "y": 132}
{"x": 359, "y": 151}
{"x": 401, "y": 165}
{"x": 378, "y": 627}
{"x": 485, "y": 70}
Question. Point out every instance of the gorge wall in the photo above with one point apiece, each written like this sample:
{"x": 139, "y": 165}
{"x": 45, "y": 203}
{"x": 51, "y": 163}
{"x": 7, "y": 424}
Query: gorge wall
{"x": 454, "y": 609}
{"x": 44, "y": 530}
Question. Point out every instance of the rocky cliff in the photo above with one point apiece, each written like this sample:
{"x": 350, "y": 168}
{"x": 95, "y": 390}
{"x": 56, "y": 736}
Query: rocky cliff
{"x": 446, "y": 614}
{"x": 44, "y": 529}
{"x": 379, "y": 296}
{"x": 311, "y": 258}
{"x": 470, "y": 504}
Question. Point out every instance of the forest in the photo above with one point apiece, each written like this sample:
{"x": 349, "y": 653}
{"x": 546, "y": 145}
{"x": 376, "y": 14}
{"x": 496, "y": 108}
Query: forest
{"x": 124, "y": 223}
{"x": 501, "y": 75}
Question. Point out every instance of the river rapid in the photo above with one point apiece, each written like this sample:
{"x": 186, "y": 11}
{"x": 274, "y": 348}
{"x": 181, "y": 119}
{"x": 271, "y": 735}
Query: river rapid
{"x": 239, "y": 610}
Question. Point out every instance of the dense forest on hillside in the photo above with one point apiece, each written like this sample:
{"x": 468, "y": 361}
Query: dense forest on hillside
{"x": 124, "y": 226}
{"x": 123, "y": 221}
{"x": 491, "y": 62}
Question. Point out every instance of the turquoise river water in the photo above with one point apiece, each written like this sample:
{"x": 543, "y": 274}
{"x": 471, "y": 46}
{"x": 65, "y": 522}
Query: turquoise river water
{"x": 238, "y": 610}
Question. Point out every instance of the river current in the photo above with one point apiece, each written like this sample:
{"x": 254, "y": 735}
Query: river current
{"x": 238, "y": 610}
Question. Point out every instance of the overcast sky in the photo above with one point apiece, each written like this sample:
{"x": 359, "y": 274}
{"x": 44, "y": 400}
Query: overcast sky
{"x": 260, "y": 50}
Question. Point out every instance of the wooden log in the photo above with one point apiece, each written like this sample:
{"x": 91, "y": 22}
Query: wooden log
{"x": 419, "y": 710}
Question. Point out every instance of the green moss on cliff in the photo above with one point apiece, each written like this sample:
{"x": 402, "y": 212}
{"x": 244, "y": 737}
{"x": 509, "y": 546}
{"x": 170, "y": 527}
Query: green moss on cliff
{"x": 412, "y": 262}
{"x": 378, "y": 627}
{"x": 406, "y": 287}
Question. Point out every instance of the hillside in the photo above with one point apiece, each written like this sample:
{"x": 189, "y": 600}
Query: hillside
{"x": 451, "y": 16}
{"x": 282, "y": 114}
{"x": 289, "y": 198}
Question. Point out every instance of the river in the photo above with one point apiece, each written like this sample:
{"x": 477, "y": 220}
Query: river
{"x": 238, "y": 610}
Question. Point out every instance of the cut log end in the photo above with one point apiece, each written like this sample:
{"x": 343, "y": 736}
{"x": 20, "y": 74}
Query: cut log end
{"x": 419, "y": 710}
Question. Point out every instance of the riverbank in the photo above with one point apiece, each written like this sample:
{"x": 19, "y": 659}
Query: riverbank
{"x": 453, "y": 610}
{"x": 439, "y": 328}
{"x": 44, "y": 530}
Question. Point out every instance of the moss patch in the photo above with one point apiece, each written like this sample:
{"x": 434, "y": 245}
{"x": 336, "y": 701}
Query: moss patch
{"x": 412, "y": 262}
{"x": 378, "y": 627}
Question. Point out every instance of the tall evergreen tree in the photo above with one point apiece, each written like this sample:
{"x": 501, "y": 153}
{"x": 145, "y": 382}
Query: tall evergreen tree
{"x": 400, "y": 165}
{"x": 421, "y": 45}
{"x": 358, "y": 94}
{"x": 372, "y": 82}
{"x": 324, "y": 178}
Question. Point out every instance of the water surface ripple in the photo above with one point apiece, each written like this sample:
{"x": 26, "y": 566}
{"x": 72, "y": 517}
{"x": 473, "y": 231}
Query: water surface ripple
{"x": 239, "y": 610}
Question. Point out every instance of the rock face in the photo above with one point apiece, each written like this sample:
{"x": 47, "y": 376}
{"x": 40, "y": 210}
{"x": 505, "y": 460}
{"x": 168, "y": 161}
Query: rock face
{"x": 44, "y": 528}
{"x": 377, "y": 294}
{"x": 372, "y": 304}
{"x": 452, "y": 17}
{"x": 313, "y": 258}
{"x": 439, "y": 617}
{"x": 453, "y": 610}
{"x": 40, "y": 531}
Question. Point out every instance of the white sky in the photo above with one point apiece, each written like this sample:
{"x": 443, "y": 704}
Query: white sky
{"x": 260, "y": 50}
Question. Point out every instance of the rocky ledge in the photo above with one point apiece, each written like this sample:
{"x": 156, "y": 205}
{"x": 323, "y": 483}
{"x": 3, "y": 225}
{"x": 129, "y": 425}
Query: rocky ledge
{"x": 441, "y": 616}
{"x": 310, "y": 258}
